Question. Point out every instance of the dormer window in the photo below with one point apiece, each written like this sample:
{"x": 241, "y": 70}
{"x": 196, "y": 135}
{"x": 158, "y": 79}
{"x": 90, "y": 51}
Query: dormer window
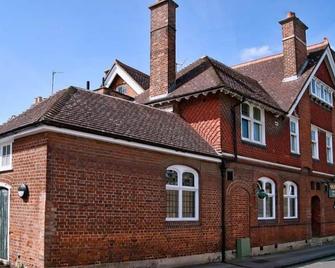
{"x": 121, "y": 89}
{"x": 321, "y": 91}
{"x": 252, "y": 123}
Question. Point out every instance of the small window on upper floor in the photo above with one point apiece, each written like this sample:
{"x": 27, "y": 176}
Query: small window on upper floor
{"x": 252, "y": 123}
{"x": 121, "y": 89}
{"x": 5, "y": 156}
{"x": 294, "y": 135}
{"x": 315, "y": 142}
{"x": 329, "y": 147}
{"x": 321, "y": 91}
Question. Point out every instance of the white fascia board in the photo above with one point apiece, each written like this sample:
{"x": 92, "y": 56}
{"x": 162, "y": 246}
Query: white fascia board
{"x": 327, "y": 54}
{"x": 118, "y": 70}
{"x": 138, "y": 145}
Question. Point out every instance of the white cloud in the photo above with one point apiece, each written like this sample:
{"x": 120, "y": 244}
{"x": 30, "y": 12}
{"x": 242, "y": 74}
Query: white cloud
{"x": 255, "y": 52}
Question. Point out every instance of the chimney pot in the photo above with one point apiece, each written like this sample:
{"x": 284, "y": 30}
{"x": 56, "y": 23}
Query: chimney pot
{"x": 290, "y": 14}
{"x": 38, "y": 100}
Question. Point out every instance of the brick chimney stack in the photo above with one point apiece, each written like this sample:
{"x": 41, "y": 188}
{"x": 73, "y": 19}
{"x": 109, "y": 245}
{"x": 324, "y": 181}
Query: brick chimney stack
{"x": 163, "y": 48}
{"x": 294, "y": 45}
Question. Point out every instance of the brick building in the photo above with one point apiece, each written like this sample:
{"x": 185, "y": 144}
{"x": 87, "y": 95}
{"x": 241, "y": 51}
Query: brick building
{"x": 173, "y": 168}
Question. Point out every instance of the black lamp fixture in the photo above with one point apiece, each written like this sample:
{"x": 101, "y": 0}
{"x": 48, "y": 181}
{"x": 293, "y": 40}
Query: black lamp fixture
{"x": 23, "y": 191}
{"x": 261, "y": 194}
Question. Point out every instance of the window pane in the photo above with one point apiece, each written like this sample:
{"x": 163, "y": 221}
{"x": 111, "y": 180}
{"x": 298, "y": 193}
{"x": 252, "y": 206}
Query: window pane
{"x": 269, "y": 205}
{"x": 293, "y": 143}
{"x": 188, "y": 179}
{"x": 268, "y": 188}
{"x": 257, "y": 114}
{"x": 293, "y": 127}
{"x": 257, "y": 132}
{"x": 5, "y": 159}
{"x": 260, "y": 208}
{"x": 172, "y": 204}
{"x": 245, "y": 129}
{"x": 245, "y": 109}
{"x": 292, "y": 191}
{"x": 171, "y": 177}
{"x": 313, "y": 135}
{"x": 292, "y": 207}
{"x": 188, "y": 204}
{"x": 286, "y": 207}
{"x": 313, "y": 87}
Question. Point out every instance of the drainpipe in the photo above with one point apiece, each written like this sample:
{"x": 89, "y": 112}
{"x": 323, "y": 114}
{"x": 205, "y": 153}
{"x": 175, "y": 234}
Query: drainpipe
{"x": 223, "y": 202}
{"x": 223, "y": 183}
{"x": 233, "y": 114}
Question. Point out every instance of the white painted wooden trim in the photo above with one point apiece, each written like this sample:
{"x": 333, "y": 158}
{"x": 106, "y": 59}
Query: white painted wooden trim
{"x": 118, "y": 70}
{"x": 265, "y": 180}
{"x": 267, "y": 162}
{"x": 323, "y": 174}
{"x": 8, "y": 187}
{"x": 81, "y": 134}
{"x": 308, "y": 82}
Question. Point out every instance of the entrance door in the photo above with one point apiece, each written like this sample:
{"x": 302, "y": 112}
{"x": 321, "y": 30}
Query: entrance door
{"x": 316, "y": 216}
{"x": 3, "y": 223}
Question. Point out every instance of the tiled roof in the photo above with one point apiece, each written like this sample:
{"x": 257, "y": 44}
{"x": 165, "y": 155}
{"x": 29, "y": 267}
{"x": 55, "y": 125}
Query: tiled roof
{"x": 83, "y": 110}
{"x": 141, "y": 78}
{"x": 270, "y": 74}
{"x": 207, "y": 73}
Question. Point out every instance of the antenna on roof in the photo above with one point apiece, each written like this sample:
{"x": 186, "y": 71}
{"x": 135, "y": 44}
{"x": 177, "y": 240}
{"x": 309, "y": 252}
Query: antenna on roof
{"x": 53, "y": 80}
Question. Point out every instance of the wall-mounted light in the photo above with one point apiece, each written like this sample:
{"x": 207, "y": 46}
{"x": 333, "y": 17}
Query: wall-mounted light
{"x": 23, "y": 191}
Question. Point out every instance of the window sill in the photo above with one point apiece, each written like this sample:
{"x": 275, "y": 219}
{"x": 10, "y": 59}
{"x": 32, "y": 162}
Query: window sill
{"x": 7, "y": 169}
{"x": 316, "y": 159}
{"x": 295, "y": 154}
{"x": 252, "y": 143}
{"x": 181, "y": 219}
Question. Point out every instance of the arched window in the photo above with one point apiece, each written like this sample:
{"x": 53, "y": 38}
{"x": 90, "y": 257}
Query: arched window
{"x": 290, "y": 200}
{"x": 182, "y": 194}
{"x": 267, "y": 206}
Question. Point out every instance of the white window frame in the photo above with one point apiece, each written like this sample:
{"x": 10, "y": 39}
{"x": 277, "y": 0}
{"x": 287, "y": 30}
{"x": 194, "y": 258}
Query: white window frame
{"x": 329, "y": 147}
{"x": 316, "y": 142}
{"x": 180, "y": 169}
{"x": 296, "y": 122}
{"x": 4, "y": 143}
{"x": 318, "y": 89}
{"x": 263, "y": 182}
{"x": 251, "y": 121}
{"x": 288, "y": 184}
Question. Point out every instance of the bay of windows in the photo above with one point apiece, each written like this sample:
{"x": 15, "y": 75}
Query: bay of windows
{"x": 252, "y": 123}
{"x": 321, "y": 91}
{"x": 182, "y": 193}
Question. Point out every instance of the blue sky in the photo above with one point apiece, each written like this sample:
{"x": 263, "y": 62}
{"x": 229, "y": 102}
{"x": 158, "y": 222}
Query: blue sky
{"x": 82, "y": 38}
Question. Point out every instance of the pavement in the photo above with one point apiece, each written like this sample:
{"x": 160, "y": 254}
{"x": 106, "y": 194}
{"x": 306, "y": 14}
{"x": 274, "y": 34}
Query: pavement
{"x": 294, "y": 258}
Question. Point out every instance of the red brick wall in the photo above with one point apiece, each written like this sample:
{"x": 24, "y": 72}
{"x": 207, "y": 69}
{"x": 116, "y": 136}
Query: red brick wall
{"x": 27, "y": 217}
{"x": 106, "y": 203}
{"x": 241, "y": 196}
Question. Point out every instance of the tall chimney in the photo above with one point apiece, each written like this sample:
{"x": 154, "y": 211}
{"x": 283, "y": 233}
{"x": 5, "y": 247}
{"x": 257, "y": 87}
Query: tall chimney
{"x": 162, "y": 48}
{"x": 294, "y": 45}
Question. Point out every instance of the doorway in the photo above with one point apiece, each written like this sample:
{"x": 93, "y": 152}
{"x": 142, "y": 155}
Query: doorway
{"x": 316, "y": 216}
{"x": 4, "y": 216}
